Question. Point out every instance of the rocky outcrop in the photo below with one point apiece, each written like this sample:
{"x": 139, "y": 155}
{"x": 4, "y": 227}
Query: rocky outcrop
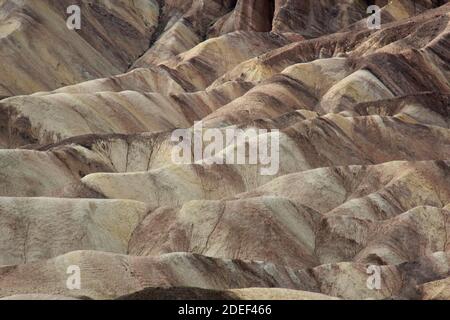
{"x": 316, "y": 18}
{"x": 250, "y": 15}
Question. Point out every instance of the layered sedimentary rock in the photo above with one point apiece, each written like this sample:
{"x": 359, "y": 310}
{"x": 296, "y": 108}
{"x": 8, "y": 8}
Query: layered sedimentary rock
{"x": 361, "y": 180}
{"x": 232, "y": 294}
{"x": 110, "y": 275}
{"x": 58, "y": 226}
{"x": 111, "y": 37}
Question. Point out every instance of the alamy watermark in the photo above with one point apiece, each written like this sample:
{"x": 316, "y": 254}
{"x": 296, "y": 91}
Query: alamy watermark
{"x": 74, "y": 280}
{"x": 374, "y": 21}
{"x": 231, "y": 146}
{"x": 374, "y": 280}
{"x": 74, "y": 20}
